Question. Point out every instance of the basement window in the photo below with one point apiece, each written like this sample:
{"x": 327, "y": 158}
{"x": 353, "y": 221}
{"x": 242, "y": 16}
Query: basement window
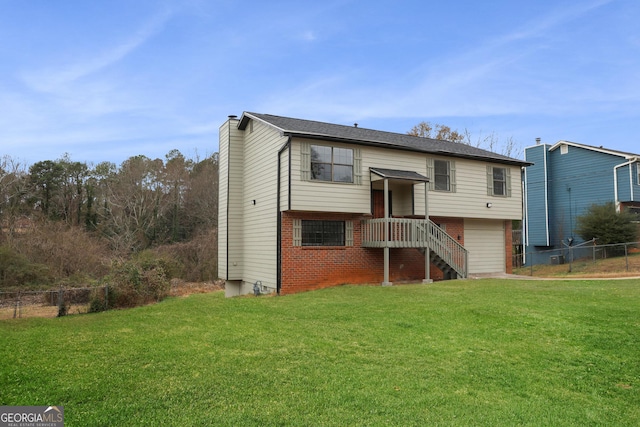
{"x": 323, "y": 233}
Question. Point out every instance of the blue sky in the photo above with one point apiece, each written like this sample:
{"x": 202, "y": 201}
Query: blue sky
{"x": 107, "y": 80}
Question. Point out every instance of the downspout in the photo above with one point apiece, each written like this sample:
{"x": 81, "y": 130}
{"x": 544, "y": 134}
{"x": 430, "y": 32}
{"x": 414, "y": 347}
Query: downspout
{"x": 615, "y": 181}
{"x": 525, "y": 220}
{"x": 279, "y": 214}
{"x": 546, "y": 195}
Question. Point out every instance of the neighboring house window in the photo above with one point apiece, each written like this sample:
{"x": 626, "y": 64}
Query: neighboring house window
{"x": 322, "y": 233}
{"x": 442, "y": 174}
{"x": 330, "y": 164}
{"x": 638, "y": 170}
{"x": 498, "y": 181}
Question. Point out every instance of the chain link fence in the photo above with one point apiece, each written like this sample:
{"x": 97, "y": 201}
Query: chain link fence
{"x": 64, "y": 301}
{"x": 587, "y": 258}
{"x": 48, "y": 303}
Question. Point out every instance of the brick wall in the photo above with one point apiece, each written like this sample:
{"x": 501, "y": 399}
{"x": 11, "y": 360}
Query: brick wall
{"x": 508, "y": 250}
{"x": 307, "y": 268}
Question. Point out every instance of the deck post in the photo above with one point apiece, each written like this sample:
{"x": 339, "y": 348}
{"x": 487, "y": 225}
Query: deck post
{"x": 427, "y": 255}
{"x": 386, "y": 281}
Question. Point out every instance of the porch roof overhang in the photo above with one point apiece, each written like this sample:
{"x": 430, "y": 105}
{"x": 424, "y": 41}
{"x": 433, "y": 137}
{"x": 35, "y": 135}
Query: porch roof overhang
{"x": 379, "y": 173}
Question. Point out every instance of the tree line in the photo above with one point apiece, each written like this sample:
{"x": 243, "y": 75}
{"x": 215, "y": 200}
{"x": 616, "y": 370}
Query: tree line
{"x": 107, "y": 212}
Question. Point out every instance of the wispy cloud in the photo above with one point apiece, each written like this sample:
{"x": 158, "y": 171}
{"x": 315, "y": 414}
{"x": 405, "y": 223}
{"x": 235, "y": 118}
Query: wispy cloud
{"x": 477, "y": 82}
{"x": 58, "y": 78}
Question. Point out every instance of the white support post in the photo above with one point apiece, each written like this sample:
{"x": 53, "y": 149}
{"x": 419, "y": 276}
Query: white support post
{"x": 427, "y": 255}
{"x": 386, "y": 281}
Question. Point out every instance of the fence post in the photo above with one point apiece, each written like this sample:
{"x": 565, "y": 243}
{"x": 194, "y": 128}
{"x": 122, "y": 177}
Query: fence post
{"x": 62, "y": 310}
{"x": 17, "y": 307}
{"x": 626, "y": 256}
{"x": 570, "y": 259}
{"x": 531, "y": 264}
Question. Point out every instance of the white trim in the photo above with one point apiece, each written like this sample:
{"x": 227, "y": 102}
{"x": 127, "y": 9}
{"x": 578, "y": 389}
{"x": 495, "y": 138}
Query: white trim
{"x": 259, "y": 119}
{"x": 546, "y": 197}
{"x": 615, "y": 181}
{"x": 597, "y": 149}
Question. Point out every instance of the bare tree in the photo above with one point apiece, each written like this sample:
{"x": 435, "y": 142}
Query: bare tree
{"x": 491, "y": 142}
{"x": 13, "y": 188}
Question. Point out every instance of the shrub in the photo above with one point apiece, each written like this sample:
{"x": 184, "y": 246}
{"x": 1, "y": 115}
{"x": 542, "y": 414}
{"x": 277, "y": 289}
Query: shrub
{"x": 607, "y": 226}
{"x": 197, "y": 260}
{"x": 69, "y": 252}
{"x": 133, "y": 283}
{"x": 17, "y": 271}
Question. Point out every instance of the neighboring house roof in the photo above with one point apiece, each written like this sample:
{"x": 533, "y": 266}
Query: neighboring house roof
{"x": 600, "y": 149}
{"x": 357, "y": 135}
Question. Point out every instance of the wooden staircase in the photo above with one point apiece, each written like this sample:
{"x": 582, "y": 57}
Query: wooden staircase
{"x": 444, "y": 251}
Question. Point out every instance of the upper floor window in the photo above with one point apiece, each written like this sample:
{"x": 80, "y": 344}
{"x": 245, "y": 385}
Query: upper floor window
{"x": 331, "y": 163}
{"x": 638, "y": 170}
{"x": 498, "y": 181}
{"x": 442, "y": 174}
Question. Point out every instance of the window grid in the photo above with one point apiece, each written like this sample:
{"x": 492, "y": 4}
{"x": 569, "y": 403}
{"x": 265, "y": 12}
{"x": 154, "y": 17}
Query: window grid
{"x": 323, "y": 233}
{"x": 332, "y": 164}
{"x": 441, "y": 175}
{"x": 499, "y": 182}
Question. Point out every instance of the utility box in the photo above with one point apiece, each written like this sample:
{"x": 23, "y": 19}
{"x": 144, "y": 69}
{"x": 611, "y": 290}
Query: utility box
{"x": 557, "y": 259}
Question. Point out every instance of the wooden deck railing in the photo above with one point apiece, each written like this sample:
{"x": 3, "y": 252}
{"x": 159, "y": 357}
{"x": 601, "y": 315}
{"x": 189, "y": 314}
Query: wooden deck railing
{"x": 415, "y": 233}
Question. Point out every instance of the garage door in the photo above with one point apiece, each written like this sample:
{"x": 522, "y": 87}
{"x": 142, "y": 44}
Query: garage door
{"x": 484, "y": 239}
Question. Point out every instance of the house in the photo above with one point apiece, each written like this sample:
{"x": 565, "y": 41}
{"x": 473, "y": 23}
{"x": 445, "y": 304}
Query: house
{"x": 305, "y": 205}
{"x": 565, "y": 179}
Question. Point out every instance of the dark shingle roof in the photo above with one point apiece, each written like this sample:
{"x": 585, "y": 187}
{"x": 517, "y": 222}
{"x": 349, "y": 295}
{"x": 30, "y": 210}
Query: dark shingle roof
{"x": 399, "y": 174}
{"x": 328, "y": 131}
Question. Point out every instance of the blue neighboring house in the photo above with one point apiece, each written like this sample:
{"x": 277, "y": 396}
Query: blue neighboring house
{"x": 564, "y": 180}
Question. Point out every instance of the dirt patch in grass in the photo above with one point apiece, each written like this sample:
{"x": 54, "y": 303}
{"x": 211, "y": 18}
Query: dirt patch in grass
{"x": 182, "y": 289}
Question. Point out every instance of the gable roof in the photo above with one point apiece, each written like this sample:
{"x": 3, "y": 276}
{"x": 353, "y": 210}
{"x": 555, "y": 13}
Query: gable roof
{"x": 357, "y": 135}
{"x": 600, "y": 149}
{"x": 399, "y": 174}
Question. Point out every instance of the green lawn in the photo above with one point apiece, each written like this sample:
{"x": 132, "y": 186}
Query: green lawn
{"x": 474, "y": 352}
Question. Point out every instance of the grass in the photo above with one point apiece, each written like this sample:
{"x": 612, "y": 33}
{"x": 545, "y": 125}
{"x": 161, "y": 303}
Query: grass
{"x": 473, "y": 352}
{"x": 609, "y": 267}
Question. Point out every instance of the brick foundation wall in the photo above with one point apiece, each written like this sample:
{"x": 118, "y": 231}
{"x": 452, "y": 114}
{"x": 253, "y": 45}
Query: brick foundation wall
{"x": 508, "y": 250}
{"x": 306, "y": 268}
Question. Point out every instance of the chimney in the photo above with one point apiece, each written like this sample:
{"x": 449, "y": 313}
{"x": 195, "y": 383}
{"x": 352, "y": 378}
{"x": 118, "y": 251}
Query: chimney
{"x": 232, "y": 117}
{"x": 537, "y": 141}
{"x": 355, "y": 125}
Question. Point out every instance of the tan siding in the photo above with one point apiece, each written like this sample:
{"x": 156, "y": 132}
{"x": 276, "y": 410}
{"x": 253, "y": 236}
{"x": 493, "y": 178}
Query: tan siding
{"x": 235, "y": 210}
{"x": 284, "y": 180}
{"x": 470, "y": 200}
{"x": 260, "y": 219}
{"x": 223, "y": 183}
{"x": 326, "y": 196}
